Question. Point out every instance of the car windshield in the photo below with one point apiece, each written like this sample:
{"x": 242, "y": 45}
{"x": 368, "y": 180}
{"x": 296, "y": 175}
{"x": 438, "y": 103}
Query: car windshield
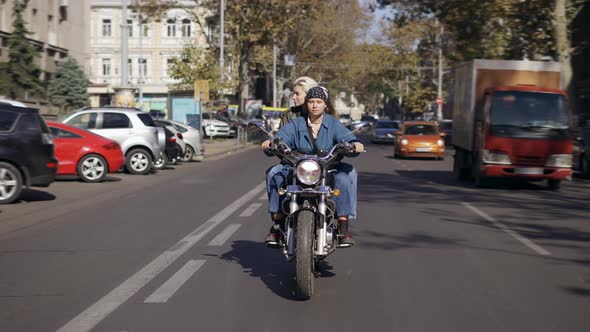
{"x": 388, "y": 125}
{"x": 529, "y": 109}
{"x": 420, "y": 130}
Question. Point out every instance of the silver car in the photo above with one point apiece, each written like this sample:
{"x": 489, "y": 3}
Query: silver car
{"x": 193, "y": 139}
{"x": 140, "y": 139}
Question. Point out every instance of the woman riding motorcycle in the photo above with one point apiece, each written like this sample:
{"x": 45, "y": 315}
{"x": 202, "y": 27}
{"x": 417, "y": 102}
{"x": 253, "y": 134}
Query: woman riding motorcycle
{"x": 315, "y": 132}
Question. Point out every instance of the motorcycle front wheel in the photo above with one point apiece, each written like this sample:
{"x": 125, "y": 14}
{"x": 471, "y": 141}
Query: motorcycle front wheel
{"x": 304, "y": 255}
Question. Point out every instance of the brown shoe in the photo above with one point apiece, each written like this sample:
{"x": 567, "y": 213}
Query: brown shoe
{"x": 345, "y": 240}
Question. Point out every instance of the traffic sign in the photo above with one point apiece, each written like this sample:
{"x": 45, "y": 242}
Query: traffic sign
{"x": 439, "y": 100}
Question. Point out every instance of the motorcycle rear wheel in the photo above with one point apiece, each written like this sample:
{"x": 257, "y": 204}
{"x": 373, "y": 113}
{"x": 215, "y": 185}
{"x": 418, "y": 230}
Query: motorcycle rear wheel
{"x": 304, "y": 255}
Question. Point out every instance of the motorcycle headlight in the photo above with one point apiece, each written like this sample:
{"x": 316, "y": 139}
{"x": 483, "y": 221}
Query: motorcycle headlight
{"x": 404, "y": 142}
{"x": 495, "y": 158}
{"x": 559, "y": 160}
{"x": 309, "y": 172}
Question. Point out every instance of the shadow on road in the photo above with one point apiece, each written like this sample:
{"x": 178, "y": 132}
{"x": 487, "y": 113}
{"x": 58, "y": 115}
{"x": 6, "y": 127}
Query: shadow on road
{"x": 33, "y": 195}
{"x": 270, "y": 266}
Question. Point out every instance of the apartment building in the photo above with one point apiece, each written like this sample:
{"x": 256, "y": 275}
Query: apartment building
{"x": 58, "y": 29}
{"x": 151, "y": 49}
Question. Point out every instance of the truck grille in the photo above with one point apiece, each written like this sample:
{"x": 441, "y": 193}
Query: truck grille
{"x": 528, "y": 160}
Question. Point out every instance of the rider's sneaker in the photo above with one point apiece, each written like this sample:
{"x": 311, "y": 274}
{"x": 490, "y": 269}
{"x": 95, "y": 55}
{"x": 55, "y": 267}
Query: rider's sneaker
{"x": 346, "y": 241}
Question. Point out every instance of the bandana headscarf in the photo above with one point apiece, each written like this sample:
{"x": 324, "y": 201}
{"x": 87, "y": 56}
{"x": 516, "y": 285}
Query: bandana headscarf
{"x": 317, "y": 92}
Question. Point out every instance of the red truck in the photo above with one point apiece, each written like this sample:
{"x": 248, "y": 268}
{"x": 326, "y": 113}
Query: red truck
{"x": 510, "y": 120}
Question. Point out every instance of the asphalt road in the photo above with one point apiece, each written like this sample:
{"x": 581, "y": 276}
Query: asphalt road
{"x": 182, "y": 250}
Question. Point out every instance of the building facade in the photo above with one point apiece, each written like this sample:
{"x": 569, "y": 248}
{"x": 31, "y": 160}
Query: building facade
{"x": 58, "y": 30}
{"x": 152, "y": 46}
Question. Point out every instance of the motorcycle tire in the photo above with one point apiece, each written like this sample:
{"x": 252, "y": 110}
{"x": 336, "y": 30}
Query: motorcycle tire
{"x": 304, "y": 255}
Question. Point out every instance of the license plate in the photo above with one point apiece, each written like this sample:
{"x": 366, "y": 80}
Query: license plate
{"x": 423, "y": 149}
{"x": 529, "y": 171}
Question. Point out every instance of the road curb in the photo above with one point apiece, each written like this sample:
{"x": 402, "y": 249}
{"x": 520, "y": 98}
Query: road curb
{"x": 225, "y": 153}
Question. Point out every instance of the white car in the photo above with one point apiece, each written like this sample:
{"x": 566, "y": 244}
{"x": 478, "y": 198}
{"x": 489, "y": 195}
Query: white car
{"x": 193, "y": 139}
{"x": 213, "y": 127}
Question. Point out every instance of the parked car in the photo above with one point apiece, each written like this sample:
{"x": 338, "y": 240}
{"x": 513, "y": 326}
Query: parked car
{"x": 419, "y": 139}
{"x": 213, "y": 127}
{"x": 85, "y": 154}
{"x": 192, "y": 138}
{"x": 446, "y": 126}
{"x": 233, "y": 124}
{"x": 384, "y": 131}
{"x": 27, "y": 156}
{"x": 133, "y": 129}
{"x": 581, "y": 157}
{"x": 172, "y": 151}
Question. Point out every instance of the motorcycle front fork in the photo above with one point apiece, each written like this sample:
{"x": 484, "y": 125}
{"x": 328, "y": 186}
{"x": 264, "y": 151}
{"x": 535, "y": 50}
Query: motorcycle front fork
{"x": 326, "y": 234}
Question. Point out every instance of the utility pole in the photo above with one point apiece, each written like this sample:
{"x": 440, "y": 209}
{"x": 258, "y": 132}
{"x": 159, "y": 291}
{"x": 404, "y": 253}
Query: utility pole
{"x": 221, "y": 39}
{"x": 140, "y": 80}
{"x": 274, "y": 75}
{"x": 439, "y": 115}
{"x": 124, "y": 56}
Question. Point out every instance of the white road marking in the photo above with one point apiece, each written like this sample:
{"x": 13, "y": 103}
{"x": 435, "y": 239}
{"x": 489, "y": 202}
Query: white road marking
{"x": 90, "y": 317}
{"x": 250, "y": 210}
{"x": 264, "y": 197}
{"x": 220, "y": 239}
{"x": 536, "y": 248}
{"x": 165, "y": 292}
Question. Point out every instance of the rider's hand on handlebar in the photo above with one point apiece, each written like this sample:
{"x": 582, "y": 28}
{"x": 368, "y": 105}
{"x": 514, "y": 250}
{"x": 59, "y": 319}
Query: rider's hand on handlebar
{"x": 266, "y": 145}
{"x": 358, "y": 147}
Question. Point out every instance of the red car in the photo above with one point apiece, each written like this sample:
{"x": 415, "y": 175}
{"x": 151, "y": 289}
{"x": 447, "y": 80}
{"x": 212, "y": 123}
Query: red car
{"x": 80, "y": 152}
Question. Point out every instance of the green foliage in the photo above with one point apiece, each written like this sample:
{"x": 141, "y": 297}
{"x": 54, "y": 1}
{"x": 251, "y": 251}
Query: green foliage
{"x": 20, "y": 76}
{"x": 194, "y": 64}
{"x": 68, "y": 87}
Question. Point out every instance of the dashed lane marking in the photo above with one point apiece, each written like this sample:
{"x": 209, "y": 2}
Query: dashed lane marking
{"x": 220, "y": 239}
{"x": 250, "y": 210}
{"x": 98, "y": 311}
{"x": 536, "y": 248}
{"x": 165, "y": 292}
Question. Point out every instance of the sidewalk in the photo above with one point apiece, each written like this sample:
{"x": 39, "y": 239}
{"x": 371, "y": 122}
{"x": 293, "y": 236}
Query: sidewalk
{"x": 219, "y": 148}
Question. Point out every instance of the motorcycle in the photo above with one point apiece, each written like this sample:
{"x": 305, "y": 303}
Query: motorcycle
{"x": 310, "y": 230}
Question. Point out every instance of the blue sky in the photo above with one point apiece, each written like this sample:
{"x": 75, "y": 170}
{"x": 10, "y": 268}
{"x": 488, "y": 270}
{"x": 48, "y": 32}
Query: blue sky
{"x": 376, "y": 16}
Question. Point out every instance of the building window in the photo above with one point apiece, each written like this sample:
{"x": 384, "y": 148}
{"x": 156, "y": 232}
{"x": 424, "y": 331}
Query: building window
{"x": 171, "y": 27}
{"x": 169, "y": 64}
{"x": 143, "y": 70}
{"x": 130, "y": 67}
{"x": 107, "y": 28}
{"x": 106, "y": 67}
{"x": 130, "y": 27}
{"x": 186, "y": 28}
{"x": 146, "y": 29}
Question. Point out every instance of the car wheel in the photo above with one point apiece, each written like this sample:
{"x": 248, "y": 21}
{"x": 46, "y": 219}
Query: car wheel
{"x": 92, "y": 168}
{"x": 161, "y": 163}
{"x": 11, "y": 183}
{"x": 553, "y": 185}
{"x": 188, "y": 154}
{"x": 138, "y": 162}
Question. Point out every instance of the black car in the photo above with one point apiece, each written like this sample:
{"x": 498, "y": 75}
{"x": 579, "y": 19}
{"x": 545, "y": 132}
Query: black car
{"x": 26, "y": 151}
{"x": 172, "y": 151}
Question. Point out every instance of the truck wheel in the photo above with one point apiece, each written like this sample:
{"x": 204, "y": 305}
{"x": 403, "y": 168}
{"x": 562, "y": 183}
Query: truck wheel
{"x": 553, "y": 184}
{"x": 585, "y": 166}
{"x": 11, "y": 183}
{"x": 457, "y": 169}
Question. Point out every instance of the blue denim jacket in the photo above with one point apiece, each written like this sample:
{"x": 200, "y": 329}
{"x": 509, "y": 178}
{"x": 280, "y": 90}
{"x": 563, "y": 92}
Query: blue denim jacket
{"x": 296, "y": 134}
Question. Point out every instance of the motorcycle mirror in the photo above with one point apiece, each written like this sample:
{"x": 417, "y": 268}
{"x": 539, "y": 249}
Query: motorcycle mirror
{"x": 253, "y": 124}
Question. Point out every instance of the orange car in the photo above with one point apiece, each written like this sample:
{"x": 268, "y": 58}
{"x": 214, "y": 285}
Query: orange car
{"x": 419, "y": 139}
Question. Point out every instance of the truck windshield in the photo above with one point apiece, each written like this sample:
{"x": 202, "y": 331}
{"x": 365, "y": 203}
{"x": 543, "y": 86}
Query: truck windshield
{"x": 529, "y": 110}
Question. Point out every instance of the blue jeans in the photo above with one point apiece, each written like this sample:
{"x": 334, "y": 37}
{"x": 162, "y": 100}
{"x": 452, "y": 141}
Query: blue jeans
{"x": 345, "y": 179}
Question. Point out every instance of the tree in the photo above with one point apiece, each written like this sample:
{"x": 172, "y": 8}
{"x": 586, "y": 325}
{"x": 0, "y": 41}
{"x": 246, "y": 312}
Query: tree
{"x": 68, "y": 88}
{"x": 195, "y": 63}
{"x": 20, "y": 74}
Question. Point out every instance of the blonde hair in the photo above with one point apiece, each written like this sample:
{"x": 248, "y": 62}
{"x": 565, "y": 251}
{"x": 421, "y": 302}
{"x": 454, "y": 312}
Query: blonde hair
{"x": 305, "y": 83}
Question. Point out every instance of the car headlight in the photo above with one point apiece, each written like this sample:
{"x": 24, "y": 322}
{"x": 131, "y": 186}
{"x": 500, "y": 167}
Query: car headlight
{"x": 440, "y": 142}
{"x": 404, "y": 142}
{"x": 559, "y": 160}
{"x": 495, "y": 158}
{"x": 309, "y": 172}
